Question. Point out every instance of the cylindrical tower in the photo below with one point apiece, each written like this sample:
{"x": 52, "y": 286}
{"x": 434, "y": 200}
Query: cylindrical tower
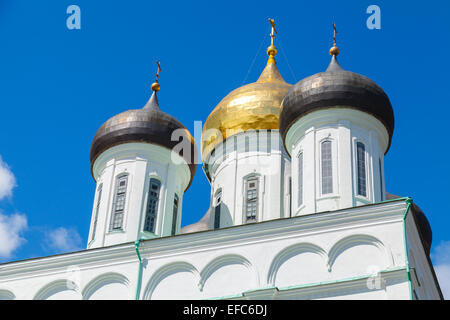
{"x": 336, "y": 125}
{"x": 243, "y": 155}
{"x": 142, "y": 161}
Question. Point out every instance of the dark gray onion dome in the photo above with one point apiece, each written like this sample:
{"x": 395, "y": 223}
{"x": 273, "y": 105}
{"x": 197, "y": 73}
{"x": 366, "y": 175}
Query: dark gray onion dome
{"x": 149, "y": 125}
{"x": 336, "y": 88}
{"x": 423, "y": 226}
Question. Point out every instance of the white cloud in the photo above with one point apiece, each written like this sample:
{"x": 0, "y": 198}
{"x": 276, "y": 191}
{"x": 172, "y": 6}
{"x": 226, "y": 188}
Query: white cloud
{"x": 441, "y": 262}
{"x": 11, "y": 228}
{"x": 63, "y": 240}
{"x": 7, "y": 180}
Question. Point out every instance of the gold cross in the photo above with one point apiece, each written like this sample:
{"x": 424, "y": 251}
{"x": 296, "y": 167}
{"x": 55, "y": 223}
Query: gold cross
{"x": 159, "y": 69}
{"x": 272, "y": 34}
{"x": 334, "y": 33}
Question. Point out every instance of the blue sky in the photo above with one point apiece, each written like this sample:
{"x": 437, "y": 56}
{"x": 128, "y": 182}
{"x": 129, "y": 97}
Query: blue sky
{"x": 57, "y": 86}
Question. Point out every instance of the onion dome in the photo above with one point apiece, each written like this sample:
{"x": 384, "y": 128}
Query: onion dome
{"x": 423, "y": 225}
{"x": 148, "y": 125}
{"x": 336, "y": 88}
{"x": 255, "y": 106}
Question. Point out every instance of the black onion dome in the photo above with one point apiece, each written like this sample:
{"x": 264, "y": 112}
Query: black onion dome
{"x": 149, "y": 125}
{"x": 426, "y": 235}
{"x": 336, "y": 88}
{"x": 422, "y": 223}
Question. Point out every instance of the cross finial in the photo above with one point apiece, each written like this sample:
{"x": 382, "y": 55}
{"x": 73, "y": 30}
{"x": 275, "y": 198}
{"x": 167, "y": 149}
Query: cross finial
{"x": 334, "y": 33}
{"x": 272, "y": 50}
{"x": 158, "y": 63}
{"x": 334, "y": 51}
{"x": 274, "y": 31}
{"x": 155, "y": 85}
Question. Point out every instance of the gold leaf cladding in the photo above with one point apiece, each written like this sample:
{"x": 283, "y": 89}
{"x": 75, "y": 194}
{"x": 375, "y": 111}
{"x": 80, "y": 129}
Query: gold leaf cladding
{"x": 255, "y": 106}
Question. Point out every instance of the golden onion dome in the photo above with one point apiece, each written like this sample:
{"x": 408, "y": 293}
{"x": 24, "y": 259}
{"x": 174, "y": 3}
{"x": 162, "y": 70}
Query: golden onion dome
{"x": 255, "y": 106}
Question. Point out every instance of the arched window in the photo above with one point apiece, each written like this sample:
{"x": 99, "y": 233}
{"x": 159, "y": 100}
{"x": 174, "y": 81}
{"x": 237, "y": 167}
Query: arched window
{"x": 152, "y": 205}
{"x": 97, "y": 207}
{"x": 327, "y": 170}
{"x": 217, "y": 202}
{"x": 300, "y": 179}
{"x": 251, "y": 199}
{"x": 175, "y": 214}
{"x": 118, "y": 208}
{"x": 361, "y": 163}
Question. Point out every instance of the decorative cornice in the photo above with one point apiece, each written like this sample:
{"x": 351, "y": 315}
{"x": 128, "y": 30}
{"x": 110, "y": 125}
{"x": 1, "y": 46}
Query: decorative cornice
{"x": 266, "y": 231}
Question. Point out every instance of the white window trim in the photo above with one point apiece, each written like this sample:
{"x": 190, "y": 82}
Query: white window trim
{"x": 300, "y": 153}
{"x": 367, "y": 198}
{"x": 334, "y": 168}
{"x": 126, "y": 206}
{"x": 158, "y": 208}
{"x": 175, "y": 196}
{"x": 259, "y": 204}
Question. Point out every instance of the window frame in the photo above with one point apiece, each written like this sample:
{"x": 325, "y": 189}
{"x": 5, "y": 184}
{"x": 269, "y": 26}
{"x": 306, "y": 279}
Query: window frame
{"x": 153, "y": 225}
{"x": 380, "y": 169}
{"x": 247, "y": 181}
{"x": 300, "y": 178}
{"x": 114, "y": 211}
{"x": 217, "y": 208}
{"x": 321, "y": 166}
{"x": 176, "y": 204}
{"x": 361, "y": 171}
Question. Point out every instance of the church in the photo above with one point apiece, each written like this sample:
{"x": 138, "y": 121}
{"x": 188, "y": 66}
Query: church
{"x": 298, "y": 203}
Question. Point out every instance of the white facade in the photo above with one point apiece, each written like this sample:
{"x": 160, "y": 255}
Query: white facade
{"x": 355, "y": 253}
{"x": 303, "y": 218}
{"x": 344, "y": 129}
{"x": 139, "y": 163}
{"x": 250, "y": 156}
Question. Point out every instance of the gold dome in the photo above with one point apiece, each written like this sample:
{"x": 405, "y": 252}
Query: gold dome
{"x": 255, "y": 106}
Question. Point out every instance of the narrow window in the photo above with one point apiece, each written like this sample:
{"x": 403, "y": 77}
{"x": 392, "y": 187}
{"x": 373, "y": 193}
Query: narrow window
{"x": 290, "y": 196}
{"x": 327, "y": 171}
{"x": 218, "y": 201}
{"x": 269, "y": 141}
{"x": 247, "y": 144}
{"x": 361, "y": 163}
{"x": 175, "y": 215}
{"x": 300, "y": 179}
{"x": 257, "y": 140}
{"x": 152, "y": 205}
{"x": 119, "y": 202}
{"x": 251, "y": 199}
{"x": 381, "y": 179}
{"x": 224, "y": 148}
{"x": 97, "y": 207}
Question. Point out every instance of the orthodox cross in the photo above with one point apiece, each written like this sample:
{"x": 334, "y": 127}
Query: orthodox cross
{"x": 334, "y": 33}
{"x": 274, "y": 31}
{"x": 159, "y": 69}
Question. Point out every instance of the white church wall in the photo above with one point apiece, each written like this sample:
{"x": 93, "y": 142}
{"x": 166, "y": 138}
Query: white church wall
{"x": 344, "y": 128}
{"x": 6, "y": 295}
{"x": 300, "y": 264}
{"x": 245, "y": 155}
{"x": 140, "y": 162}
{"x": 321, "y": 256}
{"x": 108, "y": 286}
{"x": 421, "y": 273}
